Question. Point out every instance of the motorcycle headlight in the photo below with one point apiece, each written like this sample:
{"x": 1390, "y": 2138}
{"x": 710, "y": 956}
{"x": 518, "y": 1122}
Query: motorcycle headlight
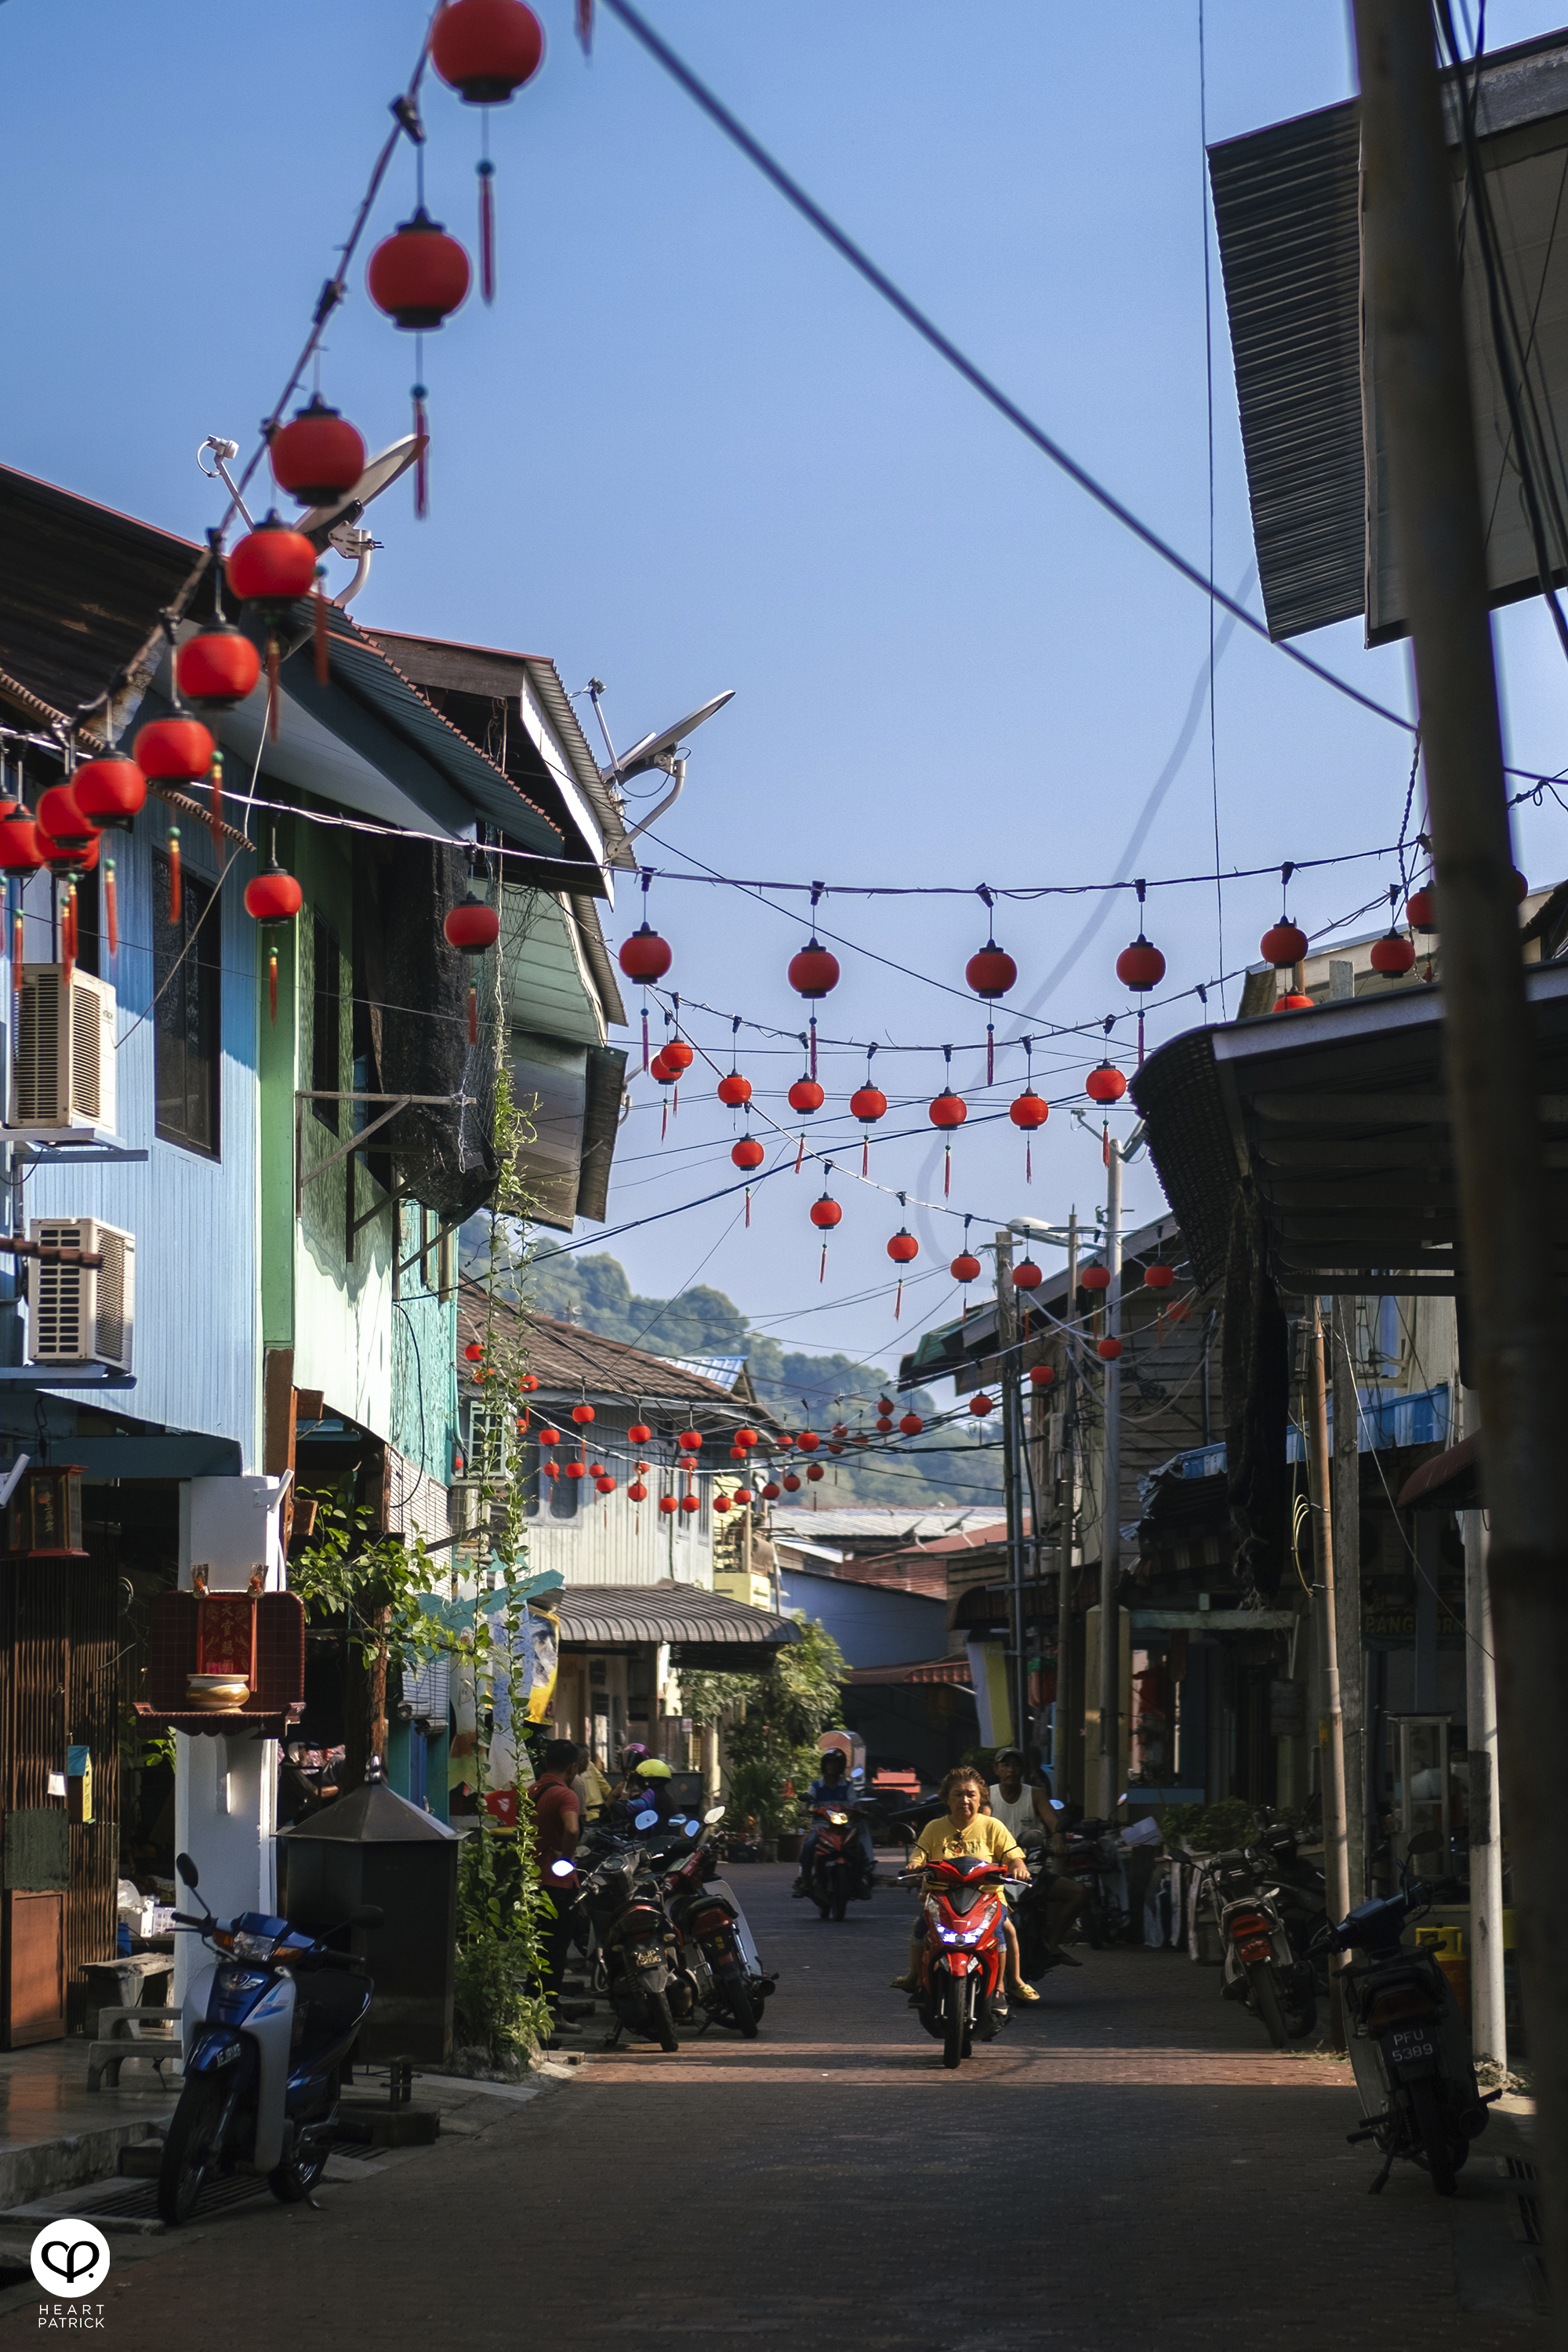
{"x": 247, "y": 1946}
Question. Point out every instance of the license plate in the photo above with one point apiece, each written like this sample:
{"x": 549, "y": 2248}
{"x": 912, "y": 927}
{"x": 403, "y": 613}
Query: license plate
{"x": 1403, "y": 2047}
{"x": 645, "y": 1956}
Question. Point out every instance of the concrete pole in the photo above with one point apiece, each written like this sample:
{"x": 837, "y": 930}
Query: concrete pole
{"x": 1410, "y": 282}
{"x": 1331, "y": 1729}
{"x": 1007, "y": 1362}
{"x": 1066, "y": 1542}
{"x": 1110, "y": 1510}
{"x": 1346, "y": 1525}
{"x": 1488, "y": 2029}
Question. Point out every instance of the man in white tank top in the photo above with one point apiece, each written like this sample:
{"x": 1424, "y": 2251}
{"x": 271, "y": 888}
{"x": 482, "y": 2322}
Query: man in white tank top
{"x": 1027, "y": 1813}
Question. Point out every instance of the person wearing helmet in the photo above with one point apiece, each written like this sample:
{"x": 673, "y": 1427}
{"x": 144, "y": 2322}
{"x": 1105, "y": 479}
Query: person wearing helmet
{"x": 834, "y": 1790}
{"x": 648, "y": 1788}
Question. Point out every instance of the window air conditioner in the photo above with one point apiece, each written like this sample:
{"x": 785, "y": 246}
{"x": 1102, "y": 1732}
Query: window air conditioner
{"x": 64, "y": 1073}
{"x": 81, "y": 1314}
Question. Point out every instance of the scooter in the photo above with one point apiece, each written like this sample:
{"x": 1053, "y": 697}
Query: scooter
{"x": 1410, "y": 2050}
{"x": 634, "y": 1953}
{"x": 267, "y": 2029}
{"x": 1261, "y": 1967}
{"x": 837, "y": 1867}
{"x": 965, "y": 1952}
{"x": 720, "y": 1971}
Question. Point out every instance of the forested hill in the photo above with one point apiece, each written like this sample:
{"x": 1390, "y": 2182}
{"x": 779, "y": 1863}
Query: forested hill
{"x": 797, "y": 1384}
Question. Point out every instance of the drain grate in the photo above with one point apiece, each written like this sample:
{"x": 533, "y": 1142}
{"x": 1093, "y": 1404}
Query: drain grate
{"x": 1515, "y": 2167}
{"x": 358, "y": 2151}
{"x": 140, "y": 2203}
{"x": 1526, "y": 2222}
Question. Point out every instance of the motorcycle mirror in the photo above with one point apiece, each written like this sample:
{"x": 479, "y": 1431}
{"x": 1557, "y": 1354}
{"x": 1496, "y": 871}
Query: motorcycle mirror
{"x": 187, "y": 1869}
{"x": 369, "y": 1915}
{"x": 562, "y": 1869}
{"x": 646, "y": 1820}
{"x": 679, "y": 1821}
{"x": 714, "y": 1813}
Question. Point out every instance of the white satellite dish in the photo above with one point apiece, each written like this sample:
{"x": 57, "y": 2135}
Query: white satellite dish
{"x": 379, "y": 474}
{"x": 658, "y": 751}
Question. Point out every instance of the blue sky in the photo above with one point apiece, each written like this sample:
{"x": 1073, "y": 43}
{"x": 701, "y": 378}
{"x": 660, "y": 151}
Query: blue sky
{"x": 688, "y": 449}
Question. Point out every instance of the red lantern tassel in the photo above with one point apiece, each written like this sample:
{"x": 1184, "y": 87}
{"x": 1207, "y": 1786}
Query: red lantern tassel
{"x": 323, "y": 665}
{"x": 813, "y": 1025}
{"x": 748, "y": 1208}
{"x": 1140, "y": 1040}
{"x": 1028, "y": 1161}
{"x": 674, "y": 1099}
{"x": 989, "y": 1051}
{"x": 663, "y": 1121}
{"x": 822, "y": 1269}
{"x": 273, "y": 717}
{"x": 421, "y": 463}
{"x": 487, "y": 230}
{"x": 1105, "y": 1144}
{"x": 473, "y": 1016}
{"x": 68, "y": 931}
{"x": 17, "y": 950}
{"x": 800, "y": 1153}
{"x": 173, "y": 874}
{"x": 865, "y": 1155}
{"x": 111, "y": 906}
{"x": 946, "y": 1169}
{"x": 644, "y": 1037}
{"x": 215, "y": 807}
{"x": 272, "y": 985}
{"x": 585, "y": 25}
{"x": 898, "y": 1299}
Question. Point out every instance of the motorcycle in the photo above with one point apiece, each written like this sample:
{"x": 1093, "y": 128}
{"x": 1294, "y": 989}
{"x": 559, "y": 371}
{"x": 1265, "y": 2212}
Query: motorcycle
{"x": 1410, "y": 2050}
{"x": 720, "y": 1971}
{"x": 1300, "y": 1891}
{"x": 268, "y": 2027}
{"x": 1261, "y": 1968}
{"x": 837, "y": 1869}
{"x": 962, "y": 1962}
{"x": 1092, "y": 1858}
{"x": 1031, "y": 1918}
{"x": 634, "y": 1948}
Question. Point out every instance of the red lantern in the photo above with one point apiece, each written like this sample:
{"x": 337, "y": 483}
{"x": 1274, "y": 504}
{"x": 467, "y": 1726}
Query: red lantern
{"x": 1421, "y": 908}
{"x": 1105, "y": 1083}
{"x": 59, "y": 818}
{"x": 734, "y": 1091}
{"x": 677, "y": 1056}
{"x": 645, "y": 956}
{"x": 1108, "y": 1349}
{"x": 815, "y": 1473}
{"x": 1042, "y": 1375}
{"x": 1521, "y": 887}
{"x": 637, "y": 1492}
{"x": 486, "y": 50}
{"x": 747, "y": 1154}
{"x": 658, "y": 1068}
{"x": 691, "y": 1502}
{"x": 318, "y": 457}
{"x": 813, "y": 971}
{"x": 808, "y": 1441}
{"x": 948, "y": 1110}
{"x": 271, "y": 566}
{"x": 1095, "y": 1278}
{"x": 690, "y": 1440}
{"x": 980, "y": 1405}
{"x": 576, "y": 1469}
{"x": 770, "y": 1491}
{"x": 176, "y": 751}
{"x": 65, "y": 857}
{"x": 910, "y": 1423}
{"x": 474, "y": 1352}
{"x": 1140, "y": 966}
{"x": 606, "y": 1485}
{"x": 1027, "y": 1275}
{"x": 903, "y": 1248}
{"x": 110, "y": 791}
{"x": 1294, "y": 1004}
{"x": 19, "y": 850}
{"x": 789, "y": 1483}
{"x": 668, "y": 1503}
{"x": 273, "y": 897}
{"x": 884, "y": 1425}
{"x": 1159, "y": 1277}
{"x": 549, "y": 1437}
{"x": 639, "y": 1432}
{"x": 472, "y": 926}
{"x": 868, "y": 1104}
{"x": 1284, "y": 945}
{"x": 720, "y": 1502}
{"x": 825, "y": 1212}
{"x": 1029, "y": 1110}
{"x": 965, "y": 1267}
{"x": 806, "y": 1095}
{"x": 992, "y": 972}
{"x": 745, "y": 1437}
{"x": 582, "y": 1414}
{"x": 1394, "y": 954}
{"x": 419, "y": 275}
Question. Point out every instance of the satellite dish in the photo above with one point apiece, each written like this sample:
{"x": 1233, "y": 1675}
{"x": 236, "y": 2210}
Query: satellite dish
{"x": 379, "y": 474}
{"x": 655, "y": 751}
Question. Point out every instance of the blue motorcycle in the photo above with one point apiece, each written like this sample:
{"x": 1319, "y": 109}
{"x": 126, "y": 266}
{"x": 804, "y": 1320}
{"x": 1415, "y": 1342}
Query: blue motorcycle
{"x": 267, "y": 2026}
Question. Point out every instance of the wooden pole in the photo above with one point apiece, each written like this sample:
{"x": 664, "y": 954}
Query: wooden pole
{"x": 1067, "y": 1547}
{"x": 1346, "y": 1525}
{"x": 1330, "y": 1727}
{"x": 1410, "y": 279}
{"x": 1110, "y": 1511}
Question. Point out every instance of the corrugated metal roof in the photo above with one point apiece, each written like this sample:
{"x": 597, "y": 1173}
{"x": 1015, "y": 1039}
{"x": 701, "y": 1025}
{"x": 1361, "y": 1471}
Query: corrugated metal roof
{"x": 670, "y": 1611}
{"x": 569, "y": 1360}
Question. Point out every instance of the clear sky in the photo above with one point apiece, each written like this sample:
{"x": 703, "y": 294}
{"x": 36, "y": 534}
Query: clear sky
{"x": 687, "y": 450}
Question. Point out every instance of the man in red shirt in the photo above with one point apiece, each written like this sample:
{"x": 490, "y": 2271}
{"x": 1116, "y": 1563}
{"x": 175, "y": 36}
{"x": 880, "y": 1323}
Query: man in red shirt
{"x": 558, "y": 1824}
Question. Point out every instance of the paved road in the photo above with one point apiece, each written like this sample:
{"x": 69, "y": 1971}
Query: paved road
{"x": 1126, "y": 2170}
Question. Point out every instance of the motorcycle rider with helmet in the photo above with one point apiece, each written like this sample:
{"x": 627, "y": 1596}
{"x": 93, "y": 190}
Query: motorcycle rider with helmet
{"x": 832, "y": 1792}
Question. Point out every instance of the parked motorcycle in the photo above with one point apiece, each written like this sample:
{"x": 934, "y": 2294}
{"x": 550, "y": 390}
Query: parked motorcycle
{"x": 1410, "y": 2048}
{"x": 837, "y": 1867}
{"x": 720, "y": 1973}
{"x": 267, "y": 2029}
{"x": 634, "y": 1948}
{"x": 964, "y": 1956}
{"x": 1299, "y": 1891}
{"x": 1260, "y": 1967}
{"x": 1032, "y": 1920}
{"x": 1094, "y": 1859}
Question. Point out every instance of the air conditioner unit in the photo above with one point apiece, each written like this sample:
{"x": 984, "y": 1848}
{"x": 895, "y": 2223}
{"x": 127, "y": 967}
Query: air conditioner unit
{"x": 64, "y": 1070}
{"x": 81, "y": 1314}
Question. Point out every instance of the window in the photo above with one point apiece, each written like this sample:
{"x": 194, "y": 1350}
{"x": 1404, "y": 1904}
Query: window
{"x": 564, "y": 1495}
{"x": 186, "y": 1041}
{"x": 326, "y": 1024}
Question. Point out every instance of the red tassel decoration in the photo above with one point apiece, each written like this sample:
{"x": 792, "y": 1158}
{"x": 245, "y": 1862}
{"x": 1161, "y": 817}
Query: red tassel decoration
{"x": 946, "y": 1169}
{"x": 644, "y": 1037}
{"x": 822, "y": 1270}
{"x": 663, "y": 1120}
{"x": 68, "y": 931}
{"x": 111, "y": 906}
{"x": 215, "y": 807}
{"x": 323, "y": 665}
{"x": 800, "y": 1154}
{"x": 173, "y": 874}
{"x": 748, "y": 1208}
{"x": 487, "y": 230}
{"x": 473, "y": 1016}
{"x": 812, "y": 1027}
{"x": 274, "y": 717}
{"x": 989, "y": 1051}
{"x": 272, "y": 985}
{"x": 898, "y": 1299}
{"x": 1105, "y": 1144}
{"x": 585, "y": 26}
{"x": 1028, "y": 1161}
{"x": 17, "y": 950}
{"x": 865, "y": 1155}
{"x": 421, "y": 463}
{"x": 675, "y": 1099}
{"x": 1140, "y": 1040}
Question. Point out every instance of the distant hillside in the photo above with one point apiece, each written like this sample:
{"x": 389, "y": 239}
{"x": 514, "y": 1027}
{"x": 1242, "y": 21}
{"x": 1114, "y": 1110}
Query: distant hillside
{"x": 796, "y": 1384}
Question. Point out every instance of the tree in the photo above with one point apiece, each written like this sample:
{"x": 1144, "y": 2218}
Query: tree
{"x": 770, "y": 1745}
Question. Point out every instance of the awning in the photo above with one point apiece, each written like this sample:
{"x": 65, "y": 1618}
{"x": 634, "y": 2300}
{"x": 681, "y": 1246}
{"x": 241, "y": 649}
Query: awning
{"x": 992, "y": 1604}
{"x": 708, "y": 1629}
{"x": 1449, "y": 1481}
{"x": 953, "y": 1671}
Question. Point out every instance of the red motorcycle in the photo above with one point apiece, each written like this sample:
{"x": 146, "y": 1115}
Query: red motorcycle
{"x": 964, "y": 1961}
{"x": 837, "y": 1864}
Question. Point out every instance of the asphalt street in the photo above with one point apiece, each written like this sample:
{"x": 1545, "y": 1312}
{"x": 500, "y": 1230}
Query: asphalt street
{"x": 1128, "y": 2168}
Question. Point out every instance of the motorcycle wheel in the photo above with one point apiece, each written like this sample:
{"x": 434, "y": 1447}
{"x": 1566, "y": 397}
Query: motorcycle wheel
{"x": 1301, "y": 2012}
{"x": 291, "y": 2183}
{"x": 1264, "y": 1996}
{"x": 738, "y": 2001}
{"x": 840, "y": 1906}
{"x": 661, "y": 2021}
{"x": 1426, "y": 2113}
{"x": 189, "y": 2149}
{"x": 954, "y": 2022}
{"x": 969, "y": 1994}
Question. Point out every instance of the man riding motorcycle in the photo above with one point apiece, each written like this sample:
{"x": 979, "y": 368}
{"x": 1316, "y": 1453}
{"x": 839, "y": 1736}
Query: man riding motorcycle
{"x": 964, "y": 1829}
{"x": 833, "y": 1791}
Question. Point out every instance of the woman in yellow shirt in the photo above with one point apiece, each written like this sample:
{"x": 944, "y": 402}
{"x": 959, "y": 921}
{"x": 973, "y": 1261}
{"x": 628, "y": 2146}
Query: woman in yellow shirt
{"x": 964, "y": 1829}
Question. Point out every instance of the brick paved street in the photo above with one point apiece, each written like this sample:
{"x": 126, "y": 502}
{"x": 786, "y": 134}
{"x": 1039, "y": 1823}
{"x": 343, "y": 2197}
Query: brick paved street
{"x": 1127, "y": 2170}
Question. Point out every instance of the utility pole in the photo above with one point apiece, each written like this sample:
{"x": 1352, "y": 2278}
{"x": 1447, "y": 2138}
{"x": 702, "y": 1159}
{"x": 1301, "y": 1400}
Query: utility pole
{"x": 1411, "y": 284}
{"x": 1007, "y": 1359}
{"x": 1111, "y": 1507}
{"x": 1488, "y": 2018}
{"x": 1332, "y": 1731}
{"x": 1066, "y": 1542}
{"x": 1345, "y": 1519}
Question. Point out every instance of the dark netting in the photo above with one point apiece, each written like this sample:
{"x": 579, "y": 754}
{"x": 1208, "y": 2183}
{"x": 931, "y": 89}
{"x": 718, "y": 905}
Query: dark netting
{"x": 1255, "y": 1354}
{"x": 415, "y": 987}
